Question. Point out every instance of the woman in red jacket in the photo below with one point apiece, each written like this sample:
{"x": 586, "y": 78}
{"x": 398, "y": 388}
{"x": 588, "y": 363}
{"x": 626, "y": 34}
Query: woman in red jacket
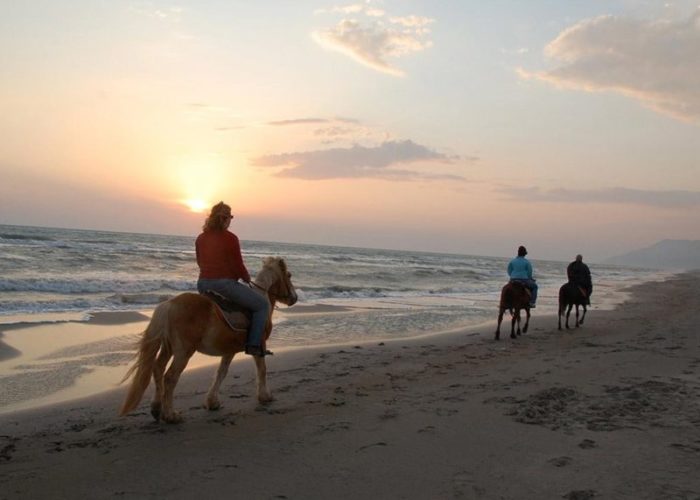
{"x": 220, "y": 269}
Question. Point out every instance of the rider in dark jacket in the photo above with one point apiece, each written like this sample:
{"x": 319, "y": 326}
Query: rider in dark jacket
{"x": 578, "y": 273}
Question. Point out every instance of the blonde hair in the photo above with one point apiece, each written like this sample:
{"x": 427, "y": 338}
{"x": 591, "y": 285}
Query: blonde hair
{"x": 217, "y": 218}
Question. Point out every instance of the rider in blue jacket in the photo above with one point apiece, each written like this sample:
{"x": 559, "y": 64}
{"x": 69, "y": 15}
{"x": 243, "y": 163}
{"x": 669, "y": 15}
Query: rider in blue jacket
{"x": 520, "y": 269}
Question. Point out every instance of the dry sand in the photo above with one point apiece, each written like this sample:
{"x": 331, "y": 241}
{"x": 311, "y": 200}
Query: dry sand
{"x": 610, "y": 410}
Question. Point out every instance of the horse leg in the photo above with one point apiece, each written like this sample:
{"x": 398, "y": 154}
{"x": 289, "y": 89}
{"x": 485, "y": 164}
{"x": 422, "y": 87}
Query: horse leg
{"x": 264, "y": 395}
{"x": 561, "y": 311}
{"x": 527, "y": 319}
{"x": 178, "y": 365}
{"x": 583, "y": 315}
{"x": 498, "y": 325}
{"x": 212, "y": 401}
{"x": 577, "y": 323}
{"x": 568, "y": 313}
{"x": 516, "y": 319}
{"x": 158, "y": 372}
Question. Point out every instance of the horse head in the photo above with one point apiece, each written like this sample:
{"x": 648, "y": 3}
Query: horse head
{"x": 281, "y": 287}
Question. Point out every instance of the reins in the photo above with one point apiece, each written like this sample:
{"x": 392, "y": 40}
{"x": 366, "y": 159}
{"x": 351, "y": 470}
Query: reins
{"x": 274, "y": 297}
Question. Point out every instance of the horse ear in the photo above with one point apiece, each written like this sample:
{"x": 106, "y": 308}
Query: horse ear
{"x": 283, "y": 265}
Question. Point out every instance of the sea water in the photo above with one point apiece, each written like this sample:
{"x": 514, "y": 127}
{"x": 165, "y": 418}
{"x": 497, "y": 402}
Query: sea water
{"x": 51, "y": 274}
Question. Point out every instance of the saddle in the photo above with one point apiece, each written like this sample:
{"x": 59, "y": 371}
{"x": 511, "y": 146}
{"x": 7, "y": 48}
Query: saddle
{"x": 522, "y": 286}
{"x": 580, "y": 288}
{"x": 234, "y": 315}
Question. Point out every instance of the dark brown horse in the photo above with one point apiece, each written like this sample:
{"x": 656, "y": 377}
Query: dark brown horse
{"x": 571, "y": 295}
{"x": 514, "y": 297}
{"x": 191, "y": 322}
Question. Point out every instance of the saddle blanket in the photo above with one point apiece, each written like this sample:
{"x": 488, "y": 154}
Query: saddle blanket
{"x": 235, "y": 316}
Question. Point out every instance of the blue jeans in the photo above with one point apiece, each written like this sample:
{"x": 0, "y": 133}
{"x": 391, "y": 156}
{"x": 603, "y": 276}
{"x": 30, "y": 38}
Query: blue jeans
{"x": 531, "y": 284}
{"x": 246, "y": 297}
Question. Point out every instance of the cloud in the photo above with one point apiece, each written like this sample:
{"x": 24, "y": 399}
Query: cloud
{"x": 616, "y": 195}
{"x": 310, "y": 121}
{"x": 298, "y": 121}
{"x": 173, "y": 13}
{"x": 373, "y": 42}
{"x": 358, "y": 162}
{"x": 655, "y": 62}
{"x": 334, "y": 129}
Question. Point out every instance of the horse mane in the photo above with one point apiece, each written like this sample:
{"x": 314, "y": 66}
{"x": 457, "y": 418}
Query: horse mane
{"x": 275, "y": 263}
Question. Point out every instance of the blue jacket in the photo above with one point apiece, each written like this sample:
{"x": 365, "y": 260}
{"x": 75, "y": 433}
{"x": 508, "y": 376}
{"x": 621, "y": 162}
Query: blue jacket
{"x": 520, "y": 268}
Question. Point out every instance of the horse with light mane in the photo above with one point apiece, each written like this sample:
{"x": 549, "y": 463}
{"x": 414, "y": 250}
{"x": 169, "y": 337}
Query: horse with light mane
{"x": 514, "y": 297}
{"x": 192, "y": 322}
{"x": 570, "y": 294}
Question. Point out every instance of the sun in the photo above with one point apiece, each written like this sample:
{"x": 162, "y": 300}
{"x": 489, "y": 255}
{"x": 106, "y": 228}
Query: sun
{"x": 195, "y": 205}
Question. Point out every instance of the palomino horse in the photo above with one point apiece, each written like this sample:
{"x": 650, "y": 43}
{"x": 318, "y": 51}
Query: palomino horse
{"x": 514, "y": 297}
{"x": 571, "y": 295}
{"x": 191, "y": 322}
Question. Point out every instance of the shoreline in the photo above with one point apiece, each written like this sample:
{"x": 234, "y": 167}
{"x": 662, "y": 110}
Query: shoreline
{"x": 608, "y": 410}
{"x": 111, "y": 331}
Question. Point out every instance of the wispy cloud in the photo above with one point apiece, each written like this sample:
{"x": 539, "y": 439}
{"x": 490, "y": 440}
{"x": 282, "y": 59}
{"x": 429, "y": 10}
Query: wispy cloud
{"x": 656, "y": 62}
{"x": 373, "y": 40}
{"x": 334, "y": 129}
{"x": 359, "y": 162}
{"x": 616, "y": 195}
{"x": 172, "y": 12}
{"x": 309, "y": 121}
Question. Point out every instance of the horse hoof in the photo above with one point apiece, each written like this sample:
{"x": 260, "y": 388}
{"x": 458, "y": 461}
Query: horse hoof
{"x": 175, "y": 418}
{"x": 155, "y": 411}
{"x": 212, "y": 405}
{"x": 513, "y": 336}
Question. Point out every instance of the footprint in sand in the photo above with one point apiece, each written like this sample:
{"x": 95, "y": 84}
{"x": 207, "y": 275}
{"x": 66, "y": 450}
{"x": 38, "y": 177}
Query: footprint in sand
{"x": 587, "y": 444}
{"x": 560, "y": 461}
{"x": 580, "y": 495}
{"x": 8, "y": 449}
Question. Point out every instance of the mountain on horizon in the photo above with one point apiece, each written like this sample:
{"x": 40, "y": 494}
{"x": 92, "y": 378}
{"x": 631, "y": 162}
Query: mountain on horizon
{"x": 666, "y": 254}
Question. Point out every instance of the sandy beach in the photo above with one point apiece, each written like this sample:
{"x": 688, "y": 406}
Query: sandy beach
{"x": 609, "y": 410}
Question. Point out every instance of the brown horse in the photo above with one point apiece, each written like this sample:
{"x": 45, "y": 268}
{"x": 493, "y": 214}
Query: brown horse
{"x": 571, "y": 295}
{"x": 191, "y": 322}
{"x": 514, "y": 297}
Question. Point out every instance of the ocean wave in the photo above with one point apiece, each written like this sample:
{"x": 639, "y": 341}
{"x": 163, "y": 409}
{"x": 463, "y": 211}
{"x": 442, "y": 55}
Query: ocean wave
{"x": 139, "y": 298}
{"x": 24, "y": 237}
{"x": 77, "y": 286}
{"x": 351, "y": 292}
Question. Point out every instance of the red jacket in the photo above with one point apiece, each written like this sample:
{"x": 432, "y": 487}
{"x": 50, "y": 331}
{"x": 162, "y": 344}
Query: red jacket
{"x": 219, "y": 256}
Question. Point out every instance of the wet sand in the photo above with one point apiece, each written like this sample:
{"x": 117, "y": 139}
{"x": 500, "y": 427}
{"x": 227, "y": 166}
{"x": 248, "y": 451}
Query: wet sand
{"x": 609, "y": 410}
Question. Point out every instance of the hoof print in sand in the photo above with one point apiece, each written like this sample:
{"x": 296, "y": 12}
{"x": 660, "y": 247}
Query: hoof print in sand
{"x": 587, "y": 444}
{"x": 560, "y": 461}
{"x": 580, "y": 495}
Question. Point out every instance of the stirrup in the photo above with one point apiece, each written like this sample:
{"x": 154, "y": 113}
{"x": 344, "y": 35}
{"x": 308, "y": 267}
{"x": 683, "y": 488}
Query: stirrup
{"x": 256, "y": 350}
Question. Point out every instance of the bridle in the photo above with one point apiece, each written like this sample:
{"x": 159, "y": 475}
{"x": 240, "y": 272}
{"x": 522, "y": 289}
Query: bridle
{"x": 272, "y": 296}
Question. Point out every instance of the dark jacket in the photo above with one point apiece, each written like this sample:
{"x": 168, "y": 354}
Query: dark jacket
{"x": 578, "y": 273}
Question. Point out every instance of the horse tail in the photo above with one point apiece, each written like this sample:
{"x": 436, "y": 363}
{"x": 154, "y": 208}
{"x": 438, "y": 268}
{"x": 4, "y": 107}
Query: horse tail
{"x": 563, "y": 298}
{"x": 153, "y": 339}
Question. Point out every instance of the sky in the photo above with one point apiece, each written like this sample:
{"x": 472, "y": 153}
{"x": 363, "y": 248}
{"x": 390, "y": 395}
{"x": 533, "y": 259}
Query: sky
{"x": 457, "y": 126}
